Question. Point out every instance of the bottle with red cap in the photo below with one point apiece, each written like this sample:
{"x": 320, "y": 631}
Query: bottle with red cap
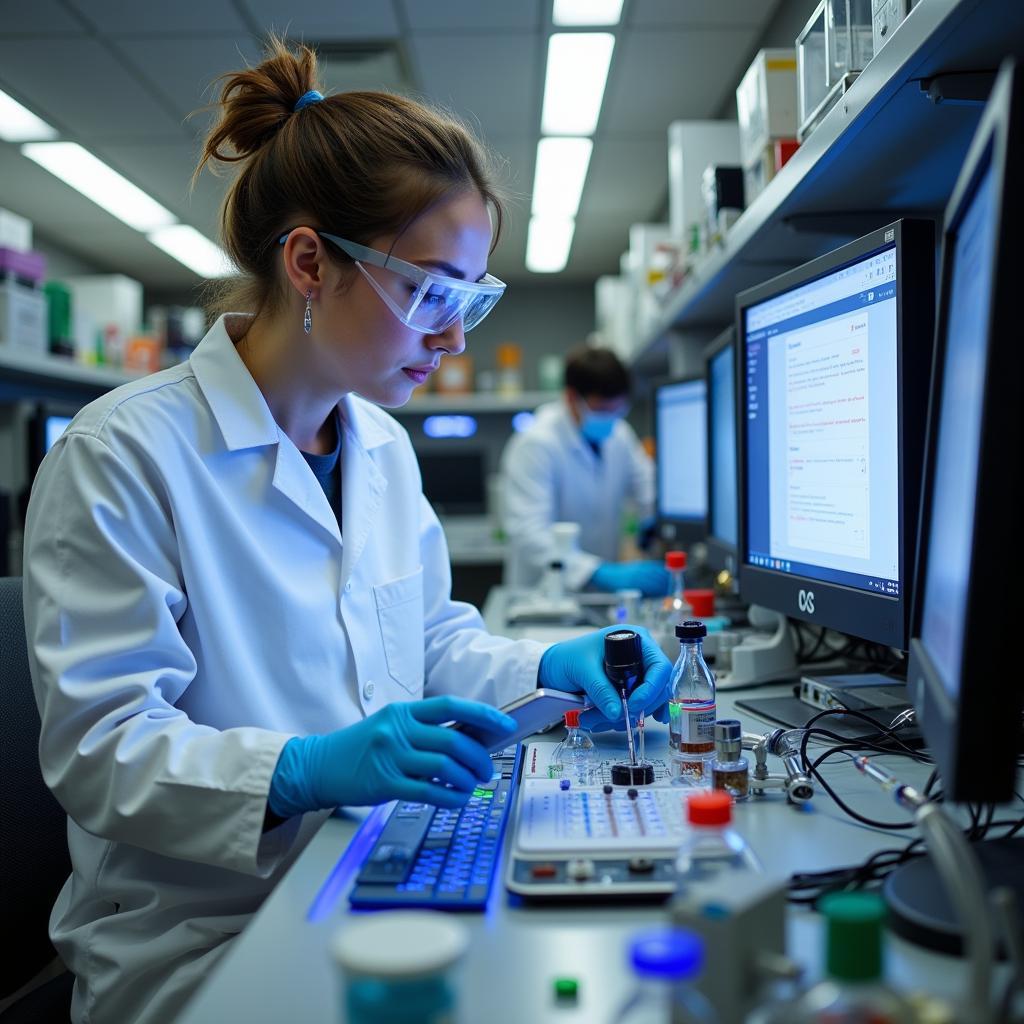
{"x": 713, "y": 845}
{"x": 677, "y": 607}
{"x": 574, "y": 758}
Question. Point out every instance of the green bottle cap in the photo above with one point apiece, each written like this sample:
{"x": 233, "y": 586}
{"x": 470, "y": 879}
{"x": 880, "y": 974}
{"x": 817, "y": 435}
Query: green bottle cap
{"x": 854, "y": 922}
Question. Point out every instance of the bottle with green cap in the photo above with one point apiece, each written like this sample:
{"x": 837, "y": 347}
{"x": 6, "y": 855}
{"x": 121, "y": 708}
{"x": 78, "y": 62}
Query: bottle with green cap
{"x": 854, "y": 991}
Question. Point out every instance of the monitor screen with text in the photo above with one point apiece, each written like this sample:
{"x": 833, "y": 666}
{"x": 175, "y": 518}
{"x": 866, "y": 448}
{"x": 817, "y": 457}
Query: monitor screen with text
{"x": 681, "y": 426}
{"x": 822, "y": 428}
{"x": 722, "y": 445}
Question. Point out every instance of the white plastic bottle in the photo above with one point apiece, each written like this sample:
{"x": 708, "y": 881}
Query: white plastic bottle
{"x": 666, "y": 961}
{"x": 692, "y": 709}
{"x": 712, "y": 845}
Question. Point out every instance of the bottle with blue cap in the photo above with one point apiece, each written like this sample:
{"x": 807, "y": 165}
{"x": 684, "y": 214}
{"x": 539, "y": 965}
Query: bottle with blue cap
{"x": 666, "y": 962}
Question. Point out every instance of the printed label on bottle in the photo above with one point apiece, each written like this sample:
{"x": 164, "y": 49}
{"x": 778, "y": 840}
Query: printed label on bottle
{"x": 692, "y": 726}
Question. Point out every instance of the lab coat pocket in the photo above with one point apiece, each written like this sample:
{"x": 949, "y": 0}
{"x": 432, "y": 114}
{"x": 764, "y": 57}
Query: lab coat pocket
{"x": 400, "y": 614}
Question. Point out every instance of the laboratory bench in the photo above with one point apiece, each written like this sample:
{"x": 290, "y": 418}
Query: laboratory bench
{"x": 280, "y": 967}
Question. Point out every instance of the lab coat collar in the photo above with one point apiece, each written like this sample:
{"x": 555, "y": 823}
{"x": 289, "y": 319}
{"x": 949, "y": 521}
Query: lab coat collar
{"x": 238, "y": 405}
{"x": 571, "y": 432}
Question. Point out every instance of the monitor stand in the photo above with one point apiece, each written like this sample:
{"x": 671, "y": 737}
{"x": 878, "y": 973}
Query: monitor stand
{"x": 919, "y": 907}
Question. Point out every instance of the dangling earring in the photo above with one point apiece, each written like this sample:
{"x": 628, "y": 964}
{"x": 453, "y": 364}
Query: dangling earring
{"x": 307, "y": 320}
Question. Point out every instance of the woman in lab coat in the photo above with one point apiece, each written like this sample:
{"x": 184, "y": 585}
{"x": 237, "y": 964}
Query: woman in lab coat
{"x": 236, "y": 596}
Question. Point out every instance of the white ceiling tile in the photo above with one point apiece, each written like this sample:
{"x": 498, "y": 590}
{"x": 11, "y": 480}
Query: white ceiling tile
{"x": 326, "y": 19}
{"x": 184, "y": 69}
{"x": 129, "y": 17}
{"x": 659, "y": 77}
{"x": 41, "y": 17}
{"x": 647, "y": 13}
{"x": 79, "y": 87}
{"x": 493, "y": 81}
{"x": 426, "y": 16}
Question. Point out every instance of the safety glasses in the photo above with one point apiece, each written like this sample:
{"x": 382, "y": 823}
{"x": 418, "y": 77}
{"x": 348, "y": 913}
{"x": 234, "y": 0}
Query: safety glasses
{"x": 419, "y": 298}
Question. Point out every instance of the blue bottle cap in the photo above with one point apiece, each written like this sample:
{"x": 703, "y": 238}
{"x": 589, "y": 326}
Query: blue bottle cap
{"x": 667, "y": 953}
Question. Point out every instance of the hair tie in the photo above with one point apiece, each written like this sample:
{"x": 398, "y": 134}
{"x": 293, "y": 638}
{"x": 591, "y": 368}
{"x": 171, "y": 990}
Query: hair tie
{"x": 307, "y": 98}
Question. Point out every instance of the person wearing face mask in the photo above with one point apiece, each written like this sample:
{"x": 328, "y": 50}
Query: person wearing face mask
{"x": 237, "y": 599}
{"x": 581, "y": 462}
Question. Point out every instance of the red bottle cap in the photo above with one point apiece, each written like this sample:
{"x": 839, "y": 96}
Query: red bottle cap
{"x": 675, "y": 560}
{"x": 572, "y": 719}
{"x": 701, "y": 601}
{"x": 712, "y": 808}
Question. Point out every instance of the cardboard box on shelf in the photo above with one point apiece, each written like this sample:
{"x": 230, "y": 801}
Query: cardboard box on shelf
{"x": 766, "y": 102}
{"x": 23, "y": 317}
{"x": 692, "y": 145}
{"x": 108, "y": 299}
{"x": 454, "y": 376}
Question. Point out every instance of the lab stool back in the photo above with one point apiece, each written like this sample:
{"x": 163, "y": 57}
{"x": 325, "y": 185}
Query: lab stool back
{"x": 33, "y": 826}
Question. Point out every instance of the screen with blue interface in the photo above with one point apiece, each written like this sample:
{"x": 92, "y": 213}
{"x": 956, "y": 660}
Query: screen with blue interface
{"x": 722, "y": 444}
{"x": 822, "y": 428}
{"x": 55, "y": 426}
{"x": 682, "y": 450}
{"x": 959, "y": 437}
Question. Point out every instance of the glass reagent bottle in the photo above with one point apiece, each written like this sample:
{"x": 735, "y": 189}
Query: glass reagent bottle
{"x": 692, "y": 708}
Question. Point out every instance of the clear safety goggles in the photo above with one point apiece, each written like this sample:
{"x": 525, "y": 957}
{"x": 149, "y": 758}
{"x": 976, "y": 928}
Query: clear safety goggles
{"x": 419, "y": 298}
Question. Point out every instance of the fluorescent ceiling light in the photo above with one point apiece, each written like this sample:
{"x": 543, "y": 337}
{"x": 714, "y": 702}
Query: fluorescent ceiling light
{"x": 574, "y": 82}
{"x": 587, "y": 12}
{"x": 78, "y": 168}
{"x": 548, "y": 242}
{"x": 193, "y": 249}
{"x": 558, "y": 180}
{"x": 19, "y": 124}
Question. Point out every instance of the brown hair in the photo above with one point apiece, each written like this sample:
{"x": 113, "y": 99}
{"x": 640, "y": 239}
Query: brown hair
{"x": 596, "y": 371}
{"x": 359, "y": 164}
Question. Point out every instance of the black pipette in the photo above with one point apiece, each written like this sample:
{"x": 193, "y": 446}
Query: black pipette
{"x": 624, "y": 666}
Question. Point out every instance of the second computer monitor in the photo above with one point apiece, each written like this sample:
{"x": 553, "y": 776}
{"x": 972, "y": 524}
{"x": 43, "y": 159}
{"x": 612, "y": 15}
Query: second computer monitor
{"x": 834, "y": 360}
{"x": 723, "y": 531}
{"x": 680, "y": 413}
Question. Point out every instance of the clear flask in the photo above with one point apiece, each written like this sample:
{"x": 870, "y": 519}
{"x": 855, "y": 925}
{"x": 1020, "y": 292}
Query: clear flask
{"x": 853, "y": 992}
{"x": 575, "y": 757}
{"x": 692, "y": 709}
{"x": 666, "y": 961}
{"x": 712, "y": 845}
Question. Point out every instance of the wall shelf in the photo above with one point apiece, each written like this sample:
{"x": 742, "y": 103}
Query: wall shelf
{"x": 28, "y": 374}
{"x": 884, "y": 151}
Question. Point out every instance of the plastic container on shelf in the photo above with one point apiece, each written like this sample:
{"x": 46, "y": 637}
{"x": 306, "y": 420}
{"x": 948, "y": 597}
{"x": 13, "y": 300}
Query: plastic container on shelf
{"x": 766, "y": 102}
{"x": 509, "y": 358}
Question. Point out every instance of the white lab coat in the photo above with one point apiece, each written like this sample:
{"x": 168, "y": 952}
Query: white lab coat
{"x": 190, "y": 606}
{"x": 551, "y": 474}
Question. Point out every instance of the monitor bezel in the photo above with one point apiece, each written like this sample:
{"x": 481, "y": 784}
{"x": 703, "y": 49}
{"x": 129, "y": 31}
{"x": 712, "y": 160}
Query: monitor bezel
{"x": 41, "y": 412}
{"x": 674, "y": 529}
{"x": 976, "y": 742}
{"x": 873, "y": 617}
{"x": 722, "y": 554}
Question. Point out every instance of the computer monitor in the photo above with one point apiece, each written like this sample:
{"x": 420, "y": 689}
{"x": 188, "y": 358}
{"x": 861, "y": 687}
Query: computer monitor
{"x": 723, "y": 512}
{"x": 834, "y": 360}
{"x": 454, "y": 482}
{"x": 47, "y": 423}
{"x": 961, "y": 675}
{"x": 680, "y": 439}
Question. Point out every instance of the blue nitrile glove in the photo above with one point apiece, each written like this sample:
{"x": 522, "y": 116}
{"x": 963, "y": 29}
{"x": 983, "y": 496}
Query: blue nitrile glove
{"x": 402, "y": 752}
{"x": 578, "y": 665}
{"x": 650, "y": 578}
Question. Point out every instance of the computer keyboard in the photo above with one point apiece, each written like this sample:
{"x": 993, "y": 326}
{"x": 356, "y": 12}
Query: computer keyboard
{"x": 429, "y": 856}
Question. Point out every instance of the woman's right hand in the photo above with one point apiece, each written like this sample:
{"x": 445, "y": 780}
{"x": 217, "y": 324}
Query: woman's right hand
{"x": 402, "y": 752}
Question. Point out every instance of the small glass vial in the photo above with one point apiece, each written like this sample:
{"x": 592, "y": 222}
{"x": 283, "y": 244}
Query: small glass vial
{"x": 552, "y": 585}
{"x": 676, "y": 607}
{"x": 730, "y": 770}
{"x": 574, "y": 758}
{"x": 692, "y": 709}
{"x": 666, "y": 961}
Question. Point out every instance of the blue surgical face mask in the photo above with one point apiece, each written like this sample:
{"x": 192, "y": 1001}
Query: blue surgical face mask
{"x": 596, "y": 426}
